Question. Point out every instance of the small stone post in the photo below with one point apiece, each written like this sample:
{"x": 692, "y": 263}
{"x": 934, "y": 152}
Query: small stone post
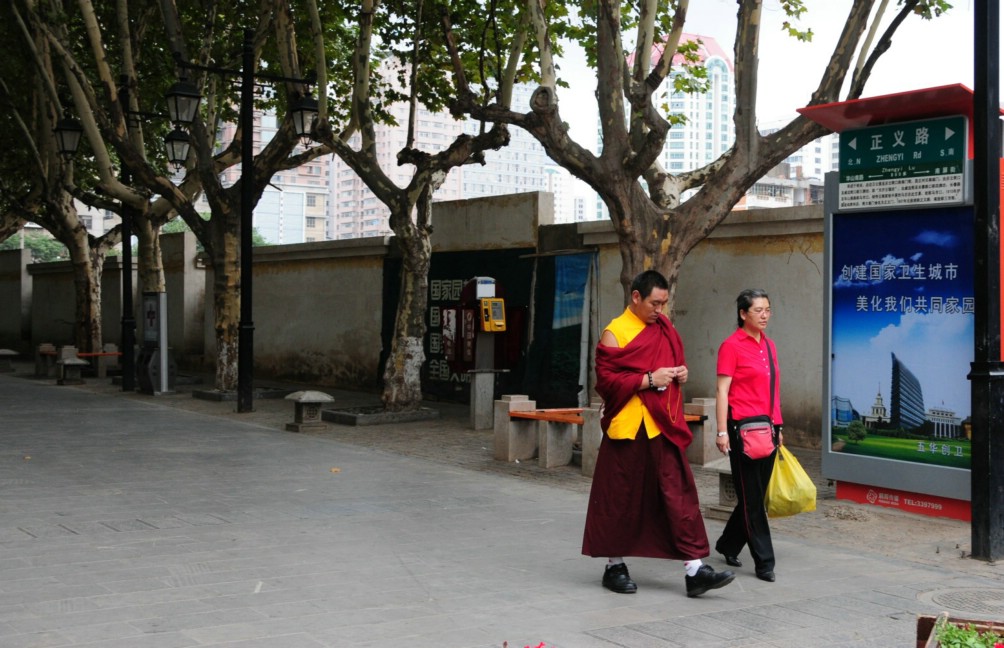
{"x": 307, "y": 410}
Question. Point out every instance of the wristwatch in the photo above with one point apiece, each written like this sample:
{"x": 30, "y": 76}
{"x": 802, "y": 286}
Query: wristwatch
{"x": 723, "y": 434}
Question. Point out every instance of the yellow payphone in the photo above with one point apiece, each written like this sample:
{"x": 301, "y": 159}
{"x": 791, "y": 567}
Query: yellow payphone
{"x": 492, "y": 314}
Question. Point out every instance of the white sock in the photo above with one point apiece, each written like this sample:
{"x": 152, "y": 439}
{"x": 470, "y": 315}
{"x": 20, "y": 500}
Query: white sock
{"x": 692, "y": 566}
{"x": 614, "y": 561}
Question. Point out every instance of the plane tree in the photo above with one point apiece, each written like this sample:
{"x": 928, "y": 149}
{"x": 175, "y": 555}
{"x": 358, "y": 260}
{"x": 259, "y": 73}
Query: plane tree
{"x": 634, "y": 48}
{"x": 143, "y": 47}
{"x": 393, "y": 51}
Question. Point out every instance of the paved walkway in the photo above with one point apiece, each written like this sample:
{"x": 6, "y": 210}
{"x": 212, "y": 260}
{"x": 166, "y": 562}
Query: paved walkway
{"x": 167, "y": 522}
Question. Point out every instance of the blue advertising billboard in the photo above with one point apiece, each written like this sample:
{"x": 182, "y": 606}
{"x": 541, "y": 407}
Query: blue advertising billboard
{"x": 901, "y": 304}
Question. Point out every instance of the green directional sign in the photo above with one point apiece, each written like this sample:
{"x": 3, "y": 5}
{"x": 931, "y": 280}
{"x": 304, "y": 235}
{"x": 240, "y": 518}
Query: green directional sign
{"x": 909, "y": 164}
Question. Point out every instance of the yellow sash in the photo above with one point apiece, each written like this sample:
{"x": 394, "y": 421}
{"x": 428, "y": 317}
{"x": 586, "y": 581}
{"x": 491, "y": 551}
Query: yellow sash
{"x": 627, "y": 422}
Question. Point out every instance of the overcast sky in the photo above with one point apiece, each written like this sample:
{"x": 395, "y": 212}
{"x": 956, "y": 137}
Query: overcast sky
{"x": 923, "y": 54}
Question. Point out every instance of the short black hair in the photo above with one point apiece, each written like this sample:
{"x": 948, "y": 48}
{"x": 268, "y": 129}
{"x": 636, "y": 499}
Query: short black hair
{"x": 645, "y": 282}
{"x": 745, "y": 300}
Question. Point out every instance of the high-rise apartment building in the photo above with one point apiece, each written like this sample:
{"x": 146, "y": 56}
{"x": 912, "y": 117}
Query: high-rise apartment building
{"x": 907, "y": 397}
{"x": 295, "y": 206}
{"x": 708, "y": 131}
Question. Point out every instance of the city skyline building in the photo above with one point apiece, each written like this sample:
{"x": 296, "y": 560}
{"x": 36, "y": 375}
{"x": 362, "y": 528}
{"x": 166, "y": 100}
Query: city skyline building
{"x": 906, "y": 398}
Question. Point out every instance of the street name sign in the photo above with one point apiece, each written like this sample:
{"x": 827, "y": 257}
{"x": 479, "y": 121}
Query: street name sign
{"x": 906, "y": 164}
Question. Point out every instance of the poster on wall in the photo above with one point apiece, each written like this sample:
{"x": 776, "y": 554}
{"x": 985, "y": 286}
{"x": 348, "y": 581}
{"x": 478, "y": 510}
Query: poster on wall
{"x": 902, "y": 335}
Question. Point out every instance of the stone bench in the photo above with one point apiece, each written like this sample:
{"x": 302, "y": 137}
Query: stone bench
{"x": 45, "y": 360}
{"x": 727, "y": 500}
{"x": 6, "y": 355}
{"x": 70, "y": 371}
{"x": 522, "y": 431}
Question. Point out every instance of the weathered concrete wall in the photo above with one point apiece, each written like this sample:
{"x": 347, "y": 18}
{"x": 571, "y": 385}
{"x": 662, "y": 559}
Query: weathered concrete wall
{"x": 53, "y": 302}
{"x": 15, "y": 295}
{"x": 779, "y": 250}
{"x": 490, "y": 223}
{"x": 318, "y": 311}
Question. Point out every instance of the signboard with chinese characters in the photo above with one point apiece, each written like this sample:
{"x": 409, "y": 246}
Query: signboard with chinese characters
{"x": 900, "y": 316}
{"x": 908, "y": 164}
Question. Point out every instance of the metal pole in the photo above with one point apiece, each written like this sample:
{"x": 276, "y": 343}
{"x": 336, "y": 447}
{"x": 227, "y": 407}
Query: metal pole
{"x": 245, "y": 343}
{"x": 987, "y": 475}
{"x": 128, "y": 310}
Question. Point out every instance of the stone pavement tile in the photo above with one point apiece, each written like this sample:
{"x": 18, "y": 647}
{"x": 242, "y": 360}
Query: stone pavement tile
{"x": 849, "y": 602}
{"x": 823, "y": 608}
{"x": 45, "y": 639}
{"x": 696, "y": 630}
{"x": 46, "y": 595}
{"x": 758, "y": 624}
{"x": 159, "y": 640}
{"x": 295, "y": 640}
{"x": 631, "y": 637}
{"x": 145, "y": 614}
{"x": 911, "y": 603}
{"x": 890, "y": 633}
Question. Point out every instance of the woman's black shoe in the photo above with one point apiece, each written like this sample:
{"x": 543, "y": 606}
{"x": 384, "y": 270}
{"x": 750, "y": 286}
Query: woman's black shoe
{"x": 731, "y": 561}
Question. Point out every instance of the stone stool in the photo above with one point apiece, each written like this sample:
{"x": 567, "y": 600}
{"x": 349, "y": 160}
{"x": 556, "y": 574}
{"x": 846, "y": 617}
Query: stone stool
{"x": 307, "y": 410}
{"x": 45, "y": 360}
{"x": 70, "y": 371}
{"x": 5, "y": 358}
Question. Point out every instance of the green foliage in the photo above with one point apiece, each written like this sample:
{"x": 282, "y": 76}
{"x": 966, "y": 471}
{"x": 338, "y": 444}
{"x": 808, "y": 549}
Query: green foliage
{"x": 794, "y": 9}
{"x": 951, "y": 635}
{"x": 929, "y": 9}
{"x": 856, "y": 431}
{"x": 43, "y": 247}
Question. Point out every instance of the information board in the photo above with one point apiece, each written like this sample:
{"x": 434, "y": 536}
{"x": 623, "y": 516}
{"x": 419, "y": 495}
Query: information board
{"x": 907, "y": 164}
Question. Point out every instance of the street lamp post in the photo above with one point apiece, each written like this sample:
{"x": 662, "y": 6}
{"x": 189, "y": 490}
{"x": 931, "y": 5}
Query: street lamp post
{"x": 128, "y": 310}
{"x": 987, "y": 375}
{"x": 245, "y": 339}
{"x": 303, "y": 122}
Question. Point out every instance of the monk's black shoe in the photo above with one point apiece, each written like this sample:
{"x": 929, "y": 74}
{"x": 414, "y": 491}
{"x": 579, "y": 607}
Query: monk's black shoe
{"x": 616, "y": 579}
{"x": 706, "y": 579}
{"x": 766, "y": 576}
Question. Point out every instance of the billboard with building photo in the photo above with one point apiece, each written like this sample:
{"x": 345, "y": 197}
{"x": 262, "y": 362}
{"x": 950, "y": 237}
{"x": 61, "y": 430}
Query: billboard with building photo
{"x": 902, "y": 335}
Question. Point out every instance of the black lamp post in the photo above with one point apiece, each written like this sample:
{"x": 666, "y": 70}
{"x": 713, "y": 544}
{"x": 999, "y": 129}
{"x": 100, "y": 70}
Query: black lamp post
{"x": 303, "y": 114}
{"x": 987, "y": 375}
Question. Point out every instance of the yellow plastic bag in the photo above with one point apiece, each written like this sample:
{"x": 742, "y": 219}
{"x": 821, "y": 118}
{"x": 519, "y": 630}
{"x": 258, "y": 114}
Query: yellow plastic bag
{"x": 790, "y": 490}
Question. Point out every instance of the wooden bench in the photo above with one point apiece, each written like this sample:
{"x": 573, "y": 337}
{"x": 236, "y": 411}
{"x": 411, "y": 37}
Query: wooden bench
{"x": 557, "y": 431}
{"x": 522, "y": 431}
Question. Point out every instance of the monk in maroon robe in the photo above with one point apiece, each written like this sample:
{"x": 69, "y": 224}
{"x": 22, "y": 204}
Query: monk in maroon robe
{"x": 643, "y": 500}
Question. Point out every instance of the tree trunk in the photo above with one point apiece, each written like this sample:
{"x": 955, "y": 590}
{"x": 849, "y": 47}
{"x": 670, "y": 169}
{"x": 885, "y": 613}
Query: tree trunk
{"x": 226, "y": 306}
{"x": 87, "y": 269}
{"x": 402, "y": 375}
{"x": 149, "y": 260}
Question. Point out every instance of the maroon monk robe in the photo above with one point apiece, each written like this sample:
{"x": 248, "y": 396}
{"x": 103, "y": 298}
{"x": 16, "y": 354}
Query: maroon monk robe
{"x": 618, "y": 377}
{"x": 643, "y": 500}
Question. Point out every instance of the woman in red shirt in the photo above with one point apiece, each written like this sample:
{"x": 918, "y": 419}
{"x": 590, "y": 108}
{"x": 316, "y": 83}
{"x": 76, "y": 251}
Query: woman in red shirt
{"x": 748, "y": 385}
